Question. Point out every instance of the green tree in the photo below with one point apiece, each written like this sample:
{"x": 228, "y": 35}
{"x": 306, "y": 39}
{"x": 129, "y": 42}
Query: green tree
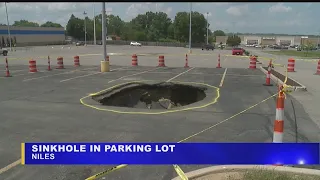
{"x": 140, "y": 36}
{"x": 50, "y": 24}
{"x": 25, "y": 23}
{"x": 181, "y": 27}
{"x": 98, "y": 27}
{"x": 198, "y": 25}
{"x": 170, "y": 31}
{"x": 144, "y": 27}
{"x": 308, "y": 46}
{"x": 160, "y": 25}
{"x": 115, "y": 25}
{"x": 218, "y": 33}
{"x": 233, "y": 40}
{"x": 75, "y": 28}
{"x": 128, "y": 32}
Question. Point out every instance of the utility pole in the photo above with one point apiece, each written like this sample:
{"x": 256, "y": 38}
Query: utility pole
{"x": 85, "y": 28}
{"x": 190, "y": 29}
{"x": 207, "y": 30}
{"x": 105, "y": 62}
{"x": 8, "y": 26}
{"x": 104, "y": 31}
{"x": 318, "y": 40}
{"x": 94, "y": 26}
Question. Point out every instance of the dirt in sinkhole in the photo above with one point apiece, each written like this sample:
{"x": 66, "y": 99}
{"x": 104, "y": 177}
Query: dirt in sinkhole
{"x": 156, "y": 96}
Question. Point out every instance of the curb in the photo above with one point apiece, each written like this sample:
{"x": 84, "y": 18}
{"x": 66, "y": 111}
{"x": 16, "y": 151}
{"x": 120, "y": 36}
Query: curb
{"x": 277, "y": 80}
{"x": 241, "y": 168}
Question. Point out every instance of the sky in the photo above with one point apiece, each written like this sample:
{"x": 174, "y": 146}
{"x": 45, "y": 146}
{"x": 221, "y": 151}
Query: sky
{"x": 285, "y": 18}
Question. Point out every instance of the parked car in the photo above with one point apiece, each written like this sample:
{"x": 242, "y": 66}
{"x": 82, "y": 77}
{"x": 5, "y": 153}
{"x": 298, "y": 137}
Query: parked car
{"x": 3, "y": 51}
{"x": 280, "y": 47}
{"x": 294, "y": 46}
{"x": 208, "y": 47}
{"x": 221, "y": 46}
{"x": 237, "y": 51}
{"x": 135, "y": 44}
{"x": 251, "y": 45}
{"x": 80, "y": 44}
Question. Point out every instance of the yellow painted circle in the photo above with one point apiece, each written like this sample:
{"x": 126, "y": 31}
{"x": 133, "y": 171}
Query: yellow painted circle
{"x": 214, "y": 100}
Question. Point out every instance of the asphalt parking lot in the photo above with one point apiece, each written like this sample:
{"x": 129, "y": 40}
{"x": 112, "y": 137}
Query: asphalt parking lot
{"x": 122, "y": 55}
{"x": 45, "y": 106}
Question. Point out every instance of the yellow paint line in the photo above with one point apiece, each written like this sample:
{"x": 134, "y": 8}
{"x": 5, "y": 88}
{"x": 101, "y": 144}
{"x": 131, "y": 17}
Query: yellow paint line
{"x": 214, "y": 100}
{"x": 231, "y": 117}
{"x": 223, "y": 77}
{"x": 8, "y": 167}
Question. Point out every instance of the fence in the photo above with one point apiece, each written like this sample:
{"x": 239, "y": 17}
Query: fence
{"x": 150, "y": 43}
{"x": 115, "y": 42}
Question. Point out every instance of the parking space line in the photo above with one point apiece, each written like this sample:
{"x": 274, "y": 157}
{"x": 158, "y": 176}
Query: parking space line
{"x": 223, "y": 77}
{"x": 18, "y": 75}
{"x": 68, "y": 72}
{"x": 179, "y": 75}
{"x": 162, "y": 72}
{"x": 89, "y": 74}
{"x": 19, "y": 70}
{"x": 133, "y": 74}
{"x": 245, "y": 75}
{"x": 119, "y": 69}
{"x": 13, "y": 76}
{"x": 79, "y": 77}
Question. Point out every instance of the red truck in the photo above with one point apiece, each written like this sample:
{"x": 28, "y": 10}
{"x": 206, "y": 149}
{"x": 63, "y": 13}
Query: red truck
{"x": 237, "y": 51}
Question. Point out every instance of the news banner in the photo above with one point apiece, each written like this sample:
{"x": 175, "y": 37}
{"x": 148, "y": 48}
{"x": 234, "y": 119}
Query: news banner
{"x": 169, "y": 153}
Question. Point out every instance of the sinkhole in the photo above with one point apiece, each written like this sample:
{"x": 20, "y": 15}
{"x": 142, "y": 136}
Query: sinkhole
{"x": 152, "y": 96}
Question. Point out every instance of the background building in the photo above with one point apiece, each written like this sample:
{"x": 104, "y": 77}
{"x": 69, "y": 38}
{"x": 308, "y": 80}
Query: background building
{"x": 33, "y": 35}
{"x": 270, "y": 40}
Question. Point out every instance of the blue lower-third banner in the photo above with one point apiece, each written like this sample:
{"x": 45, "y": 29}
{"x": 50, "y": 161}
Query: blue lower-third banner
{"x": 170, "y": 153}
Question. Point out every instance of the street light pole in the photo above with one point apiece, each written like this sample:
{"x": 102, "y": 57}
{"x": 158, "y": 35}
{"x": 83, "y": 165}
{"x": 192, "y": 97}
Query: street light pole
{"x": 8, "y": 26}
{"x": 207, "y": 30}
{"x": 190, "y": 29}
{"x": 85, "y": 29}
{"x": 105, "y": 62}
{"x": 94, "y": 26}
{"x": 104, "y": 36}
{"x": 318, "y": 40}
